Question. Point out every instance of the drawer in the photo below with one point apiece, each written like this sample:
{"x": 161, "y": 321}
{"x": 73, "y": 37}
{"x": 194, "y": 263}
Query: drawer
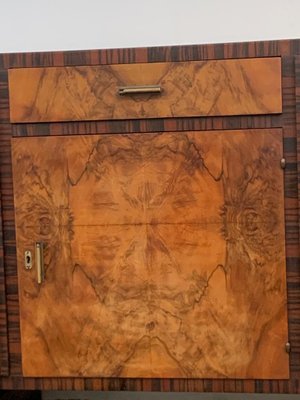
{"x": 152, "y": 90}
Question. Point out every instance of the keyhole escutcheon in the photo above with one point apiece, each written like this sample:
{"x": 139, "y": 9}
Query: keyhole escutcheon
{"x": 28, "y": 259}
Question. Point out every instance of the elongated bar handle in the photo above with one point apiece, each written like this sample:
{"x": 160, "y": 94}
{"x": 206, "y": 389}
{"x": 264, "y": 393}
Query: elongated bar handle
{"x": 139, "y": 89}
{"x": 39, "y": 260}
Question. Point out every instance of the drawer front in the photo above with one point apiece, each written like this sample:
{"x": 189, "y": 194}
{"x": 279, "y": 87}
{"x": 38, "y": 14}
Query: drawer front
{"x": 181, "y": 89}
{"x": 164, "y": 255}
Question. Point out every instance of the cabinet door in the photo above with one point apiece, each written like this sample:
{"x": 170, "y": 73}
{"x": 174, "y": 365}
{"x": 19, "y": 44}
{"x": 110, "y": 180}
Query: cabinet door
{"x": 163, "y": 254}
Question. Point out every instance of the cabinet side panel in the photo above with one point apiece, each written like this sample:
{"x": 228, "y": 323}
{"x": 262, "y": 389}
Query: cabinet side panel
{"x": 3, "y": 316}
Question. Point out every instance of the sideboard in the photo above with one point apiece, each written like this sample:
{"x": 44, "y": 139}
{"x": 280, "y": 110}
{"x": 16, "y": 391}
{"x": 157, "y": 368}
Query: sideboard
{"x": 150, "y": 219}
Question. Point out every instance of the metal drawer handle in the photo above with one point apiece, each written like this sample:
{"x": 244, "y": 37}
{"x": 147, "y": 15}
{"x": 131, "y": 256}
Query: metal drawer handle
{"x": 39, "y": 260}
{"x": 139, "y": 89}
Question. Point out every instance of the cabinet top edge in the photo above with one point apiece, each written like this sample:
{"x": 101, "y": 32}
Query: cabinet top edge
{"x": 186, "y": 52}
{"x": 147, "y": 48}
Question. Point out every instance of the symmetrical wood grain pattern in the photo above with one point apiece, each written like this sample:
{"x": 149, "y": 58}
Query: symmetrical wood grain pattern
{"x": 223, "y": 87}
{"x": 286, "y": 50}
{"x": 152, "y": 242}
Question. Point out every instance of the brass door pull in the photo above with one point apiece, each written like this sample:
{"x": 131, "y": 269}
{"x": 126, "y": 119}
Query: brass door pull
{"x": 139, "y": 89}
{"x": 39, "y": 260}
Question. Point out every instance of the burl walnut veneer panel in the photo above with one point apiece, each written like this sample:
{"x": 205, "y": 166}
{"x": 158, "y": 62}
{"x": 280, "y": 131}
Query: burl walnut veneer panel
{"x": 219, "y": 87}
{"x": 164, "y": 255}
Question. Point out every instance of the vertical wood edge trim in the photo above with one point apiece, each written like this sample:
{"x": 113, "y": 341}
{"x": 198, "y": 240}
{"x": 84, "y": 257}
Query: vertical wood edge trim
{"x": 4, "y": 353}
{"x": 4, "y": 368}
{"x": 297, "y": 100}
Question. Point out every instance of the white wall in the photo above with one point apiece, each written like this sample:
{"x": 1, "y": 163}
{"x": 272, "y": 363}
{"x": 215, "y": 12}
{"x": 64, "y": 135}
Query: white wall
{"x": 40, "y": 25}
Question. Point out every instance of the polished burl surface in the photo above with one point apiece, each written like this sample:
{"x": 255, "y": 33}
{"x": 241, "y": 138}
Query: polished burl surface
{"x": 217, "y": 87}
{"x": 164, "y": 254}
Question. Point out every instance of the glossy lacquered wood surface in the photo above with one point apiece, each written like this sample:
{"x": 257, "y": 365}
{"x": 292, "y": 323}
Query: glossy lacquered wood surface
{"x": 286, "y": 49}
{"x": 222, "y": 87}
{"x": 164, "y": 255}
